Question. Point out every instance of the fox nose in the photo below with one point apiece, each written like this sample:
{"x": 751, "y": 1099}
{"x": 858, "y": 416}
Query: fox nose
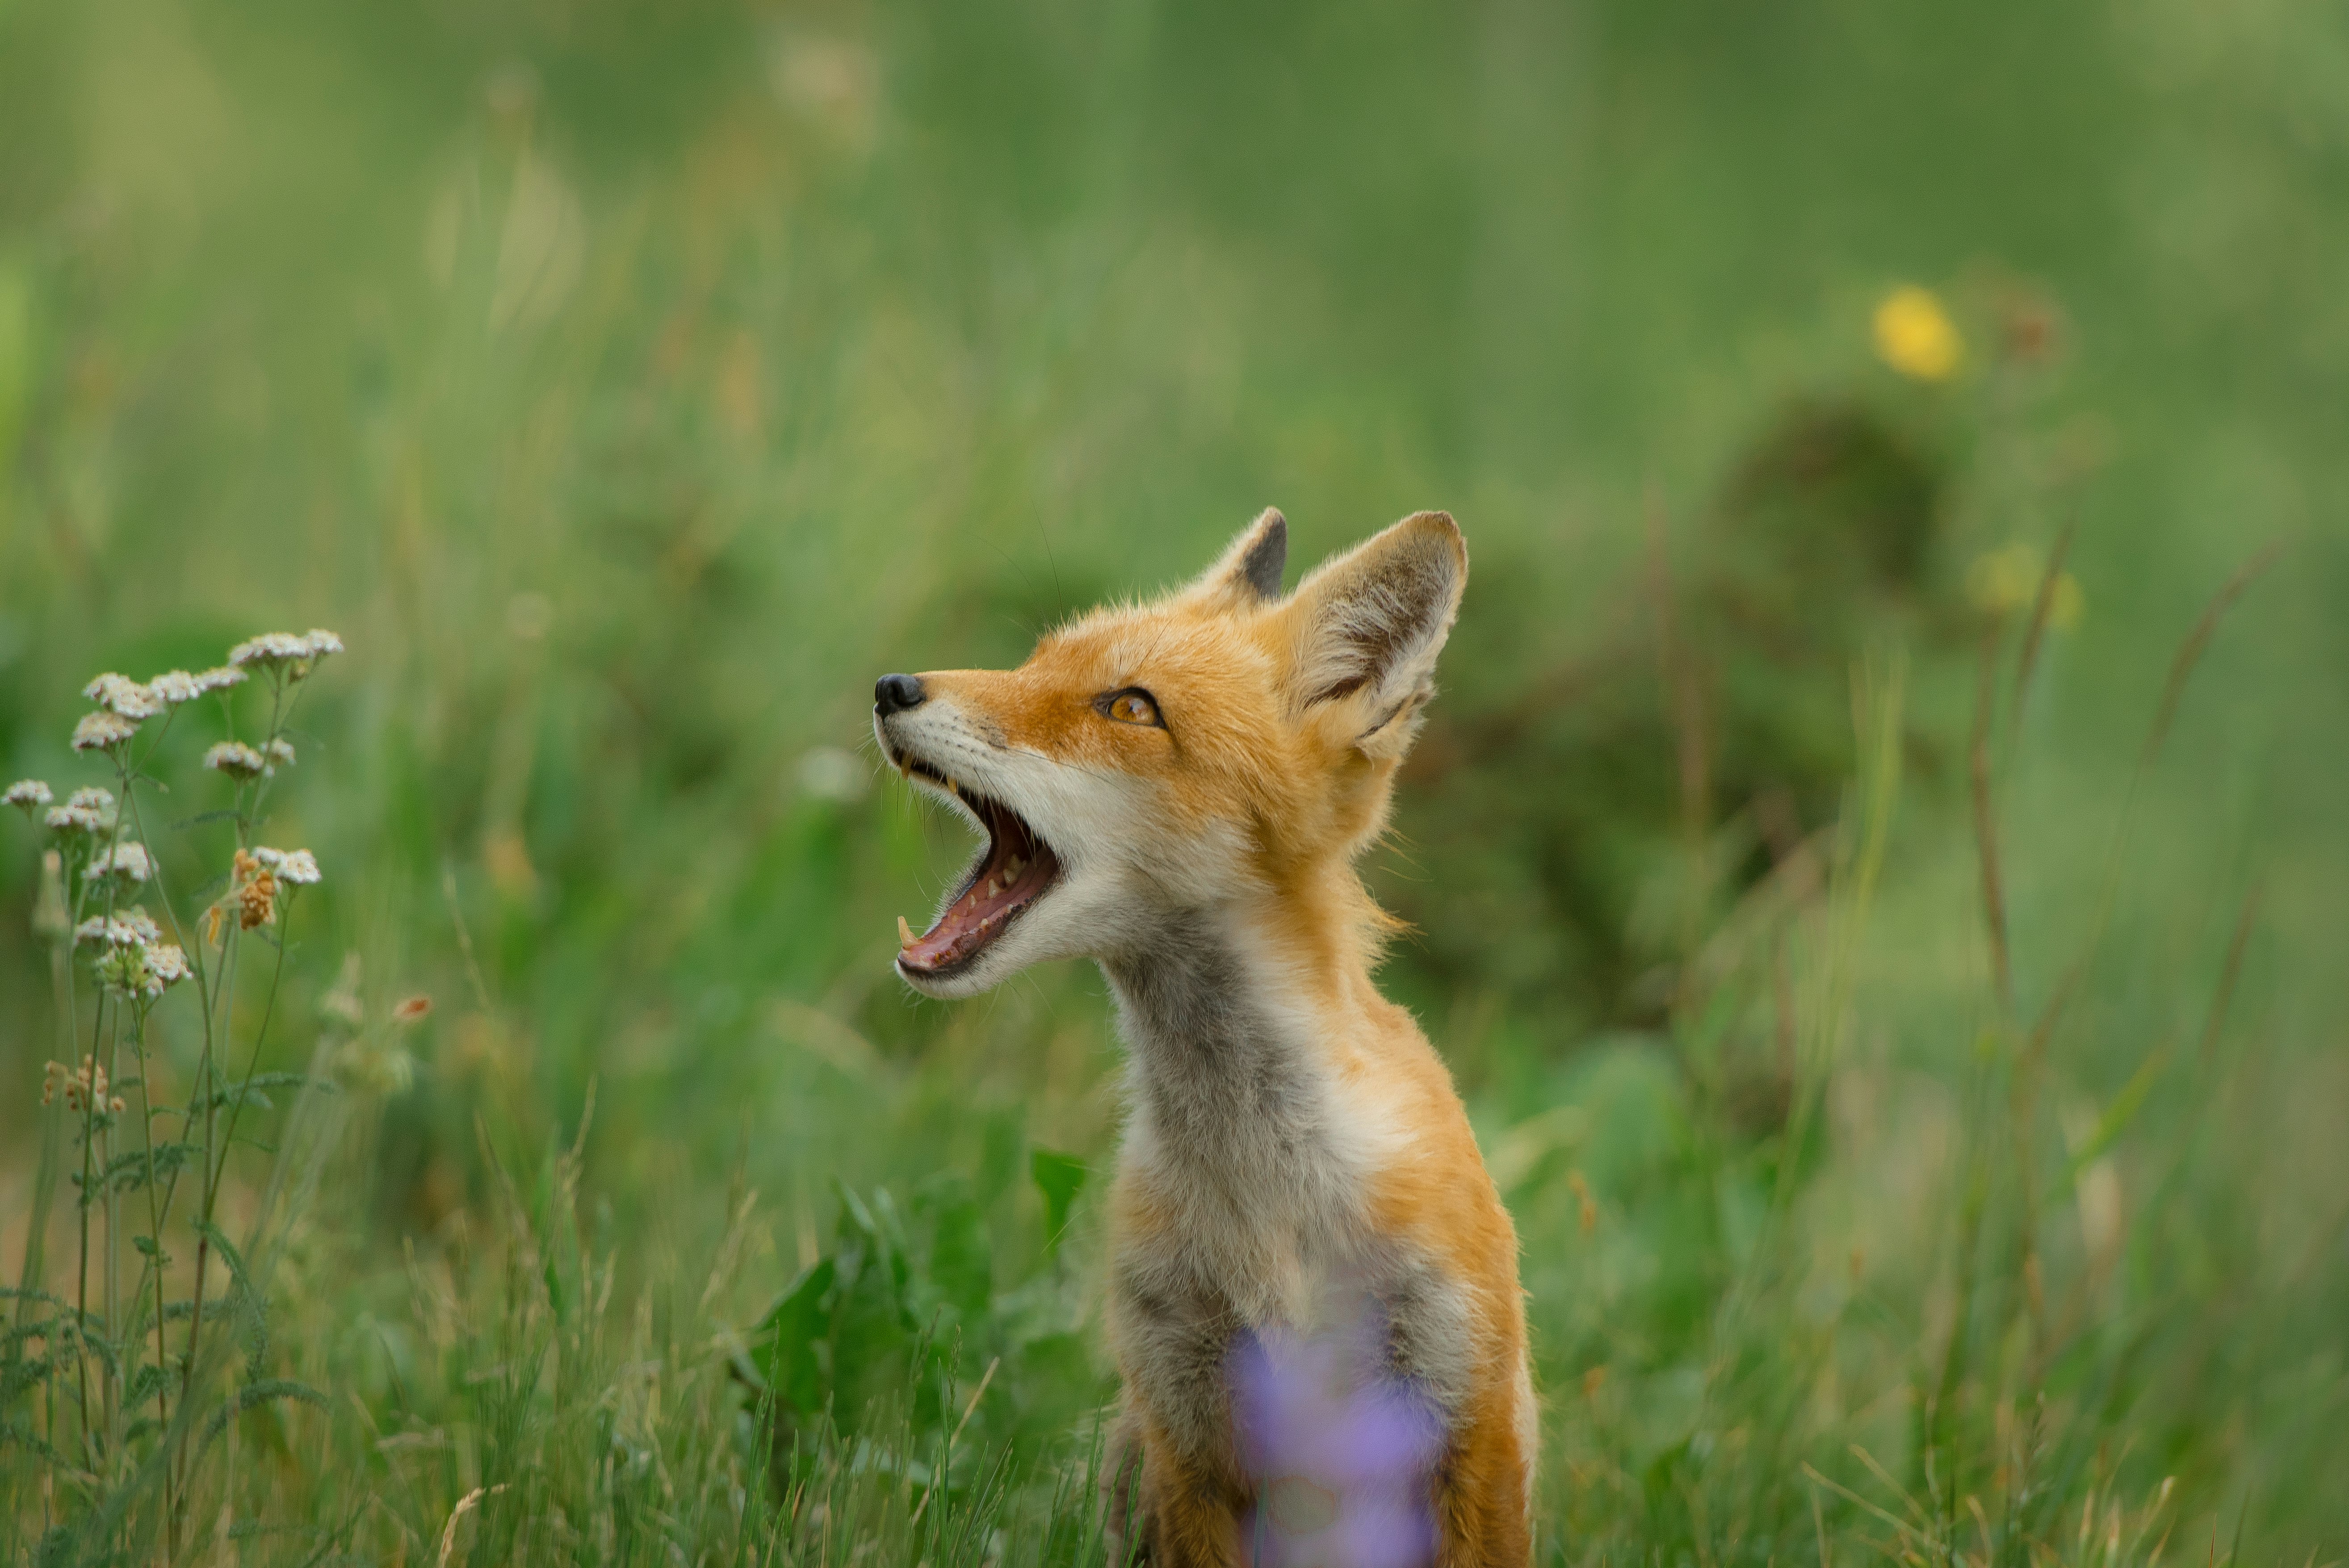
{"x": 896, "y": 694}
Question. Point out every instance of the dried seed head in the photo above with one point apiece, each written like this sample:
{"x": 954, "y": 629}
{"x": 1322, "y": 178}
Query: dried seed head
{"x": 256, "y": 891}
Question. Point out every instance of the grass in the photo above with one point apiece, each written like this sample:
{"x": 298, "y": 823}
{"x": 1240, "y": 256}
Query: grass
{"x": 1900, "y": 1010}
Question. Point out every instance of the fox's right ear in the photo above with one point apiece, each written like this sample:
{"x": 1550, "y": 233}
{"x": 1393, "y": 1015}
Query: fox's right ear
{"x": 1368, "y": 627}
{"x": 1247, "y": 573}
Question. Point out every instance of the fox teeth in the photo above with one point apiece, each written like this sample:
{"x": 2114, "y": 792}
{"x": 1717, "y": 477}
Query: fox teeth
{"x": 905, "y": 932}
{"x": 1013, "y": 867}
{"x": 992, "y": 889}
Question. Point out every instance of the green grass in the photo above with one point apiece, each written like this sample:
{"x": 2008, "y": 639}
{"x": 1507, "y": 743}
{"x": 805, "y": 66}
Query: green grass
{"x": 629, "y": 386}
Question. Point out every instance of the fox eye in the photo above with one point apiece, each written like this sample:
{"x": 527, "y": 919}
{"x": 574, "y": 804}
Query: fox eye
{"x": 1132, "y": 705}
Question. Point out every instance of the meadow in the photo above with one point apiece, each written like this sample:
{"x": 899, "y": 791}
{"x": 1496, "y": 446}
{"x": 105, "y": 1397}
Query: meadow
{"x": 1875, "y": 868}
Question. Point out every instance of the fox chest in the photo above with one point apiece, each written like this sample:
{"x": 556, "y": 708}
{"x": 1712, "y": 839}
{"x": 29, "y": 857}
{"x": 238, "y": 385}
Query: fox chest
{"x": 1242, "y": 1209}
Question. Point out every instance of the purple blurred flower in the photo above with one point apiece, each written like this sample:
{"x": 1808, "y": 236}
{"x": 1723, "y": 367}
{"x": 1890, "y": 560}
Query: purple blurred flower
{"x": 1342, "y": 1453}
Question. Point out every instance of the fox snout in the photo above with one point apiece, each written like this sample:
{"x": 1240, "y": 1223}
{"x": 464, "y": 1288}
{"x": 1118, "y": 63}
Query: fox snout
{"x": 898, "y": 694}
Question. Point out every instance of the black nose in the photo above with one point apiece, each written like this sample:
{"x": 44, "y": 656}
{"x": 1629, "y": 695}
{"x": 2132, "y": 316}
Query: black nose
{"x": 896, "y": 694}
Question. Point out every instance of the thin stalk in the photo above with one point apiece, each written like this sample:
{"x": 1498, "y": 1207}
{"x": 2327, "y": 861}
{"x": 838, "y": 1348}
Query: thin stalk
{"x": 214, "y": 1157}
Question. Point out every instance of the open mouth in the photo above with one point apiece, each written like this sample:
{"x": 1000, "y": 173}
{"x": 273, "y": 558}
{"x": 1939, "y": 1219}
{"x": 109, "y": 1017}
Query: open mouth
{"x": 1018, "y": 868}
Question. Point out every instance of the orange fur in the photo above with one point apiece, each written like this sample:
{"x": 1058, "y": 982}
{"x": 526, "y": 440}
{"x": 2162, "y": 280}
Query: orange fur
{"x": 1284, "y": 721}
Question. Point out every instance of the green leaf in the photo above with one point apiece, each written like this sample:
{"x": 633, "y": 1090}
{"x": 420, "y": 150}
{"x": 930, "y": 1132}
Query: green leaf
{"x": 783, "y": 1348}
{"x": 1060, "y": 1178}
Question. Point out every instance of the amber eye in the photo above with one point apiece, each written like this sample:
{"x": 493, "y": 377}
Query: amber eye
{"x": 1132, "y": 705}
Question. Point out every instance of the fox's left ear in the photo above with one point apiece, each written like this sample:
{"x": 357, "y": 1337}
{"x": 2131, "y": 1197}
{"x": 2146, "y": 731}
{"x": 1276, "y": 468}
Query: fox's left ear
{"x": 1368, "y": 625}
{"x": 1247, "y": 575}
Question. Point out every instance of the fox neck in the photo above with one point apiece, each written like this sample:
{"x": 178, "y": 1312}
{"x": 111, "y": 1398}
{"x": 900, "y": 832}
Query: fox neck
{"x": 1230, "y": 1014}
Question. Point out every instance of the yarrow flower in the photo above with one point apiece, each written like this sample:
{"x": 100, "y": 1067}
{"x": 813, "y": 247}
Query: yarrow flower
{"x": 85, "y": 811}
{"x": 295, "y": 866}
{"x": 28, "y": 794}
{"x": 128, "y": 861}
{"x": 167, "y": 964}
{"x": 219, "y": 678}
{"x": 121, "y": 695}
{"x": 283, "y": 650}
{"x": 269, "y": 650}
{"x": 236, "y": 760}
{"x": 279, "y": 750}
{"x": 100, "y": 730}
{"x": 173, "y": 687}
{"x": 141, "y": 970}
{"x": 131, "y": 928}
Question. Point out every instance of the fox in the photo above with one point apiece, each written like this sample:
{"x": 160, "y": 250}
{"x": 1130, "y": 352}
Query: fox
{"x": 1306, "y": 1258}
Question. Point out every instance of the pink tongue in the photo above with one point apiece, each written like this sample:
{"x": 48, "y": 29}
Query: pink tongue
{"x": 966, "y": 923}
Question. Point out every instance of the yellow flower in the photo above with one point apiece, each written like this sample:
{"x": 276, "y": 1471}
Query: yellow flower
{"x": 2005, "y": 580}
{"x": 1916, "y": 336}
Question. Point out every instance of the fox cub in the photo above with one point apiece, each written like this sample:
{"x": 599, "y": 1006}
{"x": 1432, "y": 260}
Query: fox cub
{"x": 1313, "y": 1297}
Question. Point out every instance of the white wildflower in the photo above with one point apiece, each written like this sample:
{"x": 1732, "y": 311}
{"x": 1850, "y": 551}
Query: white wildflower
{"x": 120, "y": 693}
{"x": 173, "y": 687}
{"x": 131, "y": 928}
{"x": 295, "y": 866}
{"x": 100, "y": 730}
{"x": 221, "y": 678}
{"x": 28, "y": 794}
{"x": 167, "y": 964}
{"x": 128, "y": 861}
{"x": 269, "y": 650}
{"x": 87, "y": 811}
{"x": 321, "y": 643}
{"x": 236, "y": 760}
{"x": 139, "y": 969}
{"x": 279, "y": 750}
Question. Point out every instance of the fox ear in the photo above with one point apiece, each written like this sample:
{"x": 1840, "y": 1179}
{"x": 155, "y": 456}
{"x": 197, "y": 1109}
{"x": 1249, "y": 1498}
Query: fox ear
{"x": 1370, "y": 624}
{"x": 1247, "y": 573}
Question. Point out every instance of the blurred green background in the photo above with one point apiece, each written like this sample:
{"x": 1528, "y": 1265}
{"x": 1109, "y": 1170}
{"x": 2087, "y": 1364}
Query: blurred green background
{"x": 630, "y": 384}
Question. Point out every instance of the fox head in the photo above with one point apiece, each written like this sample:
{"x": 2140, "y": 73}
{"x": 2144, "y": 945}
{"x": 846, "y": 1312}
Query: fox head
{"x": 1226, "y": 743}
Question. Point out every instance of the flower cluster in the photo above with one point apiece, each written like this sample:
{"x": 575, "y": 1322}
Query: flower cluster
{"x": 131, "y": 928}
{"x": 296, "y": 866}
{"x": 242, "y": 762}
{"x": 28, "y": 794}
{"x": 90, "y": 810}
{"x": 83, "y": 1086}
{"x": 102, "y": 730}
{"x": 130, "y": 861}
{"x": 123, "y": 704}
{"x": 236, "y": 760}
{"x": 283, "y": 650}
